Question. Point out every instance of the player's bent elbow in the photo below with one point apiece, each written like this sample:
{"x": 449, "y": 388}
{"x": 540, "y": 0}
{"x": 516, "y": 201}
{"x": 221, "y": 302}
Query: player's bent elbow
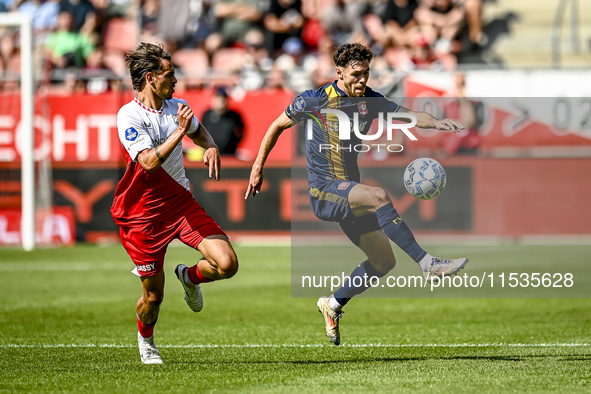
{"x": 148, "y": 163}
{"x": 150, "y": 170}
{"x": 149, "y": 166}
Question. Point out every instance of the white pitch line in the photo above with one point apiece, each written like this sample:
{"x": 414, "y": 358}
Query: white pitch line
{"x": 361, "y": 345}
{"x": 69, "y": 266}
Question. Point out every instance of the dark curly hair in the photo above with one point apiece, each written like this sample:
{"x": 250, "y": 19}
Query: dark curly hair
{"x": 144, "y": 59}
{"x": 347, "y": 53}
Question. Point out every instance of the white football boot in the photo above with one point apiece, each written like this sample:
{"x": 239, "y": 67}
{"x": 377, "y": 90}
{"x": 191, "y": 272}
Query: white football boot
{"x": 148, "y": 351}
{"x": 331, "y": 320}
{"x": 440, "y": 267}
{"x": 193, "y": 295}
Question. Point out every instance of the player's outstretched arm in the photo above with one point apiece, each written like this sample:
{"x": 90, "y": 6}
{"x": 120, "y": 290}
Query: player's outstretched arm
{"x": 427, "y": 121}
{"x": 211, "y": 157}
{"x": 269, "y": 140}
{"x": 152, "y": 159}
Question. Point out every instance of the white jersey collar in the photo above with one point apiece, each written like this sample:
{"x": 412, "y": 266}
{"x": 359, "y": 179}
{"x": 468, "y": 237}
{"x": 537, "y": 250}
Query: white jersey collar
{"x": 159, "y": 112}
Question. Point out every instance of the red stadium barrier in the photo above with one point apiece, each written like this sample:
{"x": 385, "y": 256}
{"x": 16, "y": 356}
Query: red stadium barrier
{"x": 83, "y": 128}
{"x": 55, "y": 228}
{"x": 485, "y": 196}
{"x": 523, "y": 124}
{"x": 489, "y": 197}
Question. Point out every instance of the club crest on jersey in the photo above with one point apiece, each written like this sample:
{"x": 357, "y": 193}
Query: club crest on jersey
{"x": 344, "y": 185}
{"x": 362, "y": 108}
{"x": 299, "y": 104}
{"x": 131, "y": 134}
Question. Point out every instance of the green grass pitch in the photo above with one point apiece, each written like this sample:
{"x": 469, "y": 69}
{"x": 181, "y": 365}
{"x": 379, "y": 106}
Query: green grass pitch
{"x": 67, "y": 324}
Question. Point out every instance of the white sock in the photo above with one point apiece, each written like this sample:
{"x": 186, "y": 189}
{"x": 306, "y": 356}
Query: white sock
{"x": 426, "y": 262}
{"x": 146, "y": 340}
{"x": 334, "y": 305}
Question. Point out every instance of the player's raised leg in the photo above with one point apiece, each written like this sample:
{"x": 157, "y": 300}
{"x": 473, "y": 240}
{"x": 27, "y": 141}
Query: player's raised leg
{"x": 364, "y": 199}
{"x": 380, "y": 261}
{"x": 148, "y": 307}
{"x": 190, "y": 278}
{"x": 219, "y": 262}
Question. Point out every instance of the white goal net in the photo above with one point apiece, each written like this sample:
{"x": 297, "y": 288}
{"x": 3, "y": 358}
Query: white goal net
{"x": 25, "y": 180}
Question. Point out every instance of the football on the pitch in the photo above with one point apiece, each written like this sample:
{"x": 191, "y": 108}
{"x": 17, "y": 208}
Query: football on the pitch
{"x": 425, "y": 178}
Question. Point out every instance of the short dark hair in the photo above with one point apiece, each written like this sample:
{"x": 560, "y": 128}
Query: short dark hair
{"x": 144, "y": 59}
{"x": 221, "y": 91}
{"x": 347, "y": 53}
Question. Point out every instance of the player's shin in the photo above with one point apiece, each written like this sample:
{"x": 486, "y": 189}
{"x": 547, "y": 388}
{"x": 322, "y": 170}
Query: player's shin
{"x": 359, "y": 281}
{"x": 399, "y": 232}
{"x": 194, "y": 275}
{"x": 146, "y": 330}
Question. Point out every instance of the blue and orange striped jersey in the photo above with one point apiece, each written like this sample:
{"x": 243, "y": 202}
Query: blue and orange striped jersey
{"x": 329, "y": 157}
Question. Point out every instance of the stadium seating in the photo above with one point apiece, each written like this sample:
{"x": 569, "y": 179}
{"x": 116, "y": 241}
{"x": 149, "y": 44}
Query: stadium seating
{"x": 229, "y": 59}
{"x": 121, "y": 35}
{"x": 114, "y": 60}
{"x": 194, "y": 65}
{"x": 226, "y": 65}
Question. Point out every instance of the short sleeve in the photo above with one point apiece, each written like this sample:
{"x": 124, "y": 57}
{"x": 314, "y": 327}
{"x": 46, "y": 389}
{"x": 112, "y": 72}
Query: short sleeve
{"x": 194, "y": 123}
{"x": 386, "y": 105}
{"x": 391, "y": 106}
{"x": 132, "y": 134}
{"x": 194, "y": 126}
{"x": 304, "y": 103}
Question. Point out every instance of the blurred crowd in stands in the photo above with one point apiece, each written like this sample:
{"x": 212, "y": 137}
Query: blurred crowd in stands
{"x": 79, "y": 44}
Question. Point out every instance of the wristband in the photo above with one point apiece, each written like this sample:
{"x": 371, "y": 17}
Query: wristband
{"x": 159, "y": 155}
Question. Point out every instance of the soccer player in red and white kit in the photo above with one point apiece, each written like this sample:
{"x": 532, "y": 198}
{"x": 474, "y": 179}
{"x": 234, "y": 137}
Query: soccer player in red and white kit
{"x": 152, "y": 203}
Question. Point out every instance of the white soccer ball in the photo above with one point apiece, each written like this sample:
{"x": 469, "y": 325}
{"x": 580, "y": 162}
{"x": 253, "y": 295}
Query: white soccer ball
{"x": 425, "y": 178}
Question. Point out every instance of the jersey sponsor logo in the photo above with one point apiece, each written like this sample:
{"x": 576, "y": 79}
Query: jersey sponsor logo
{"x": 146, "y": 268}
{"x": 158, "y": 141}
{"x": 334, "y": 126}
{"x": 299, "y": 104}
{"x": 362, "y": 108}
{"x": 131, "y": 134}
{"x": 344, "y": 185}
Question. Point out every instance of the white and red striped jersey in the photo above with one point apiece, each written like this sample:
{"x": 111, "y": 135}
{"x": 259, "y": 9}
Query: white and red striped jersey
{"x": 141, "y": 196}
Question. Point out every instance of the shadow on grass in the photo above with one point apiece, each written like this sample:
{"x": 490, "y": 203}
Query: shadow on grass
{"x": 514, "y": 358}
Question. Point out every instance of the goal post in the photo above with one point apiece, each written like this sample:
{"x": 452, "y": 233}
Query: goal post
{"x": 24, "y": 23}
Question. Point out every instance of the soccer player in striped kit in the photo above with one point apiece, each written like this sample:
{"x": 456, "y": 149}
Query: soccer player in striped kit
{"x": 365, "y": 213}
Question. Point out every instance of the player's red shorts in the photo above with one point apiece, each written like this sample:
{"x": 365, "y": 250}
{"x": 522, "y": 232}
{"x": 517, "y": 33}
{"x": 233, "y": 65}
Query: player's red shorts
{"x": 146, "y": 244}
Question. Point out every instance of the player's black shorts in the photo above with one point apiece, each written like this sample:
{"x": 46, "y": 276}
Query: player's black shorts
{"x": 330, "y": 203}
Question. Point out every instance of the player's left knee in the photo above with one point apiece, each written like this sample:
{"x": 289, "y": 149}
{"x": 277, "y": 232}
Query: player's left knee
{"x": 379, "y": 197}
{"x": 384, "y": 265}
{"x": 227, "y": 266}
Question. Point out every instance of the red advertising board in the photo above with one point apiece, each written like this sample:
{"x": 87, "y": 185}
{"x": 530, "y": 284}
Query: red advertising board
{"x": 57, "y": 227}
{"x": 82, "y": 128}
{"x": 484, "y": 196}
{"x": 519, "y": 123}
{"x": 498, "y": 197}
